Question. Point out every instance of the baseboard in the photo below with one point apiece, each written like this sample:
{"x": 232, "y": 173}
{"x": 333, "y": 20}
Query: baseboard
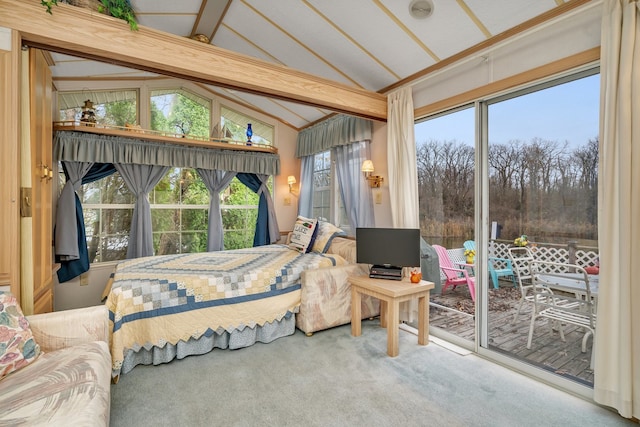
{"x": 438, "y": 341}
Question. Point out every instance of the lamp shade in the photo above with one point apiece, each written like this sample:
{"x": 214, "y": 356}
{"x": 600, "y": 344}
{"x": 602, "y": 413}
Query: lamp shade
{"x": 367, "y": 166}
{"x": 291, "y": 179}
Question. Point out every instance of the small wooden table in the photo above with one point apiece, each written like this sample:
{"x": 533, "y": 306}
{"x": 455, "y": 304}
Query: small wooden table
{"x": 390, "y": 293}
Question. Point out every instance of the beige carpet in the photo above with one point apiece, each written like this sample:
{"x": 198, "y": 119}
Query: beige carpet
{"x": 334, "y": 379}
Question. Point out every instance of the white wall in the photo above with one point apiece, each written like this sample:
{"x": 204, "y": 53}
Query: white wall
{"x": 83, "y": 291}
{"x": 286, "y": 139}
{"x": 567, "y": 35}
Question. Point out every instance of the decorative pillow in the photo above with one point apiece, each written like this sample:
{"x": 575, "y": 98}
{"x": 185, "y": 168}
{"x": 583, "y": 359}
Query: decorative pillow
{"x": 304, "y": 234}
{"x": 326, "y": 233}
{"x": 17, "y": 346}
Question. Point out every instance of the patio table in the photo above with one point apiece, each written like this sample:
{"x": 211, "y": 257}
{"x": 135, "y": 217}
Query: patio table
{"x": 572, "y": 283}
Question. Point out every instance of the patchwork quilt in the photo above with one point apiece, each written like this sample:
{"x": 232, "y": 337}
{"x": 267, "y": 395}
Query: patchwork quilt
{"x": 164, "y": 299}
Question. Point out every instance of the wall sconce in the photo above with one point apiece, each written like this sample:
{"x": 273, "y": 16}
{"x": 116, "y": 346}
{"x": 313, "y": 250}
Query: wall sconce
{"x": 374, "y": 180}
{"x": 291, "y": 180}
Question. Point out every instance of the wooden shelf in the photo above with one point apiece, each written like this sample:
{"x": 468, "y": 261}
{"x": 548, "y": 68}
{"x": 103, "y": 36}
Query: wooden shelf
{"x": 157, "y": 136}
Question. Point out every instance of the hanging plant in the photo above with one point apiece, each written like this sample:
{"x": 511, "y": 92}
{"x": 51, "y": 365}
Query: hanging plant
{"x": 120, "y": 9}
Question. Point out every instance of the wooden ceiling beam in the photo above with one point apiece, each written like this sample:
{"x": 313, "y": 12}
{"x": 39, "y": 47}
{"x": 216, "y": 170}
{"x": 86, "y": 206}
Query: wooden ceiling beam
{"x": 88, "y": 34}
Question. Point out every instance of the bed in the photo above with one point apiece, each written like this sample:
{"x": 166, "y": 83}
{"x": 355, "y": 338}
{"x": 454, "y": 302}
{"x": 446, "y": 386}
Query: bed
{"x": 173, "y": 306}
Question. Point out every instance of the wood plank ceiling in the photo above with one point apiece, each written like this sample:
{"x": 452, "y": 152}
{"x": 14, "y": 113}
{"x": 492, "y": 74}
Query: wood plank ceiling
{"x": 372, "y": 45}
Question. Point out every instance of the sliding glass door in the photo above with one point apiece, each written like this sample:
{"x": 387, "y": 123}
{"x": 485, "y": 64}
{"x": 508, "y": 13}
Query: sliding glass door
{"x": 542, "y": 186}
{"x": 446, "y": 165}
{"x": 512, "y": 175}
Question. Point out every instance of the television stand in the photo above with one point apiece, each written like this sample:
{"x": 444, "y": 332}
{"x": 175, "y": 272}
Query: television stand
{"x": 385, "y": 271}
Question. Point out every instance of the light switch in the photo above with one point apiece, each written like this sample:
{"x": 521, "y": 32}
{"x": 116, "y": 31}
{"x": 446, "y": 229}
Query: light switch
{"x": 287, "y": 201}
{"x": 378, "y": 198}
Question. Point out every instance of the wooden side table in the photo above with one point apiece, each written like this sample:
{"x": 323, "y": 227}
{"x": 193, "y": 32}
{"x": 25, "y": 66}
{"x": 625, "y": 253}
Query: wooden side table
{"x": 390, "y": 293}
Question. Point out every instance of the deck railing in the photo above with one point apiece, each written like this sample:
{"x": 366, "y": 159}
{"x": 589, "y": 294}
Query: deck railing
{"x": 568, "y": 253}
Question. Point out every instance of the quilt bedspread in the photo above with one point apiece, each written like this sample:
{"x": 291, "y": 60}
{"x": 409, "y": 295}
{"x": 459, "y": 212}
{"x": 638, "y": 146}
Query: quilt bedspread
{"x": 164, "y": 299}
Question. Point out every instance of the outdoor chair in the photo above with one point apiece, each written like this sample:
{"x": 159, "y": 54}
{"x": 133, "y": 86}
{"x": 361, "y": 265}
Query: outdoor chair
{"x": 498, "y": 267}
{"x": 454, "y": 275}
{"x": 521, "y": 258}
{"x": 562, "y": 293}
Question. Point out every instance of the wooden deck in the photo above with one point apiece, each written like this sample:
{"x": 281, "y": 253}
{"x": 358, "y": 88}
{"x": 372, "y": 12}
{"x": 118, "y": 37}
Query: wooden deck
{"x": 547, "y": 350}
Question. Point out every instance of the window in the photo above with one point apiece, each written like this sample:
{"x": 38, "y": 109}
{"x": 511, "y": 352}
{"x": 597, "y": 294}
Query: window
{"x": 322, "y": 185}
{"x": 327, "y": 202}
{"x": 179, "y": 215}
{"x": 181, "y": 112}
{"x": 180, "y": 201}
{"x": 233, "y": 125}
{"x": 239, "y": 207}
{"x": 115, "y": 108}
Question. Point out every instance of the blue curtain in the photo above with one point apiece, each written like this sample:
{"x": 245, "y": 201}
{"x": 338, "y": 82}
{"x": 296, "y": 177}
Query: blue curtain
{"x": 267, "y": 231}
{"x": 71, "y": 268}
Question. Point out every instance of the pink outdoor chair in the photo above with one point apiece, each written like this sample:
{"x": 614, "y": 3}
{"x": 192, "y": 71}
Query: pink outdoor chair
{"x": 455, "y": 276}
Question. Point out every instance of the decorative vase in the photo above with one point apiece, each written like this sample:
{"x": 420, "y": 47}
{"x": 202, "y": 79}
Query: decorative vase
{"x": 249, "y": 133}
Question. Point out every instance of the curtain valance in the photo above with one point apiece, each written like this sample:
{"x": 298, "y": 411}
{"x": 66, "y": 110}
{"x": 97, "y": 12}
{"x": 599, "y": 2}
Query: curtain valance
{"x": 75, "y": 146}
{"x": 333, "y": 132}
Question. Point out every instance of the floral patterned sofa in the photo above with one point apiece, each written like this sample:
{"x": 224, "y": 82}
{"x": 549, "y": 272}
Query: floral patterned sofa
{"x": 55, "y": 368}
{"x": 326, "y": 293}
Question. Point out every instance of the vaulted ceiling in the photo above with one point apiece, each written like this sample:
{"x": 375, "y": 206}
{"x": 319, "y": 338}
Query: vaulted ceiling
{"x": 374, "y": 45}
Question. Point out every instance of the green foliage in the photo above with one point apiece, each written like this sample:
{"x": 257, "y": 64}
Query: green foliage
{"x": 158, "y": 120}
{"x": 120, "y": 113}
{"x": 120, "y": 9}
{"x": 48, "y": 4}
{"x": 190, "y": 117}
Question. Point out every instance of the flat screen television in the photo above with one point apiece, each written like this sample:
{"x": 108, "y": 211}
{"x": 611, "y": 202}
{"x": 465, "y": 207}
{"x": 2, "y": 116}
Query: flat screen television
{"x": 388, "y": 250}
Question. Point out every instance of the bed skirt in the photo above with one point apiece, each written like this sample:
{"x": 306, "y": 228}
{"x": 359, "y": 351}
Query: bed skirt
{"x": 210, "y": 340}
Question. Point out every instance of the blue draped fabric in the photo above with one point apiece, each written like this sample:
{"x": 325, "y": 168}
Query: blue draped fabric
{"x": 261, "y": 237}
{"x": 70, "y": 269}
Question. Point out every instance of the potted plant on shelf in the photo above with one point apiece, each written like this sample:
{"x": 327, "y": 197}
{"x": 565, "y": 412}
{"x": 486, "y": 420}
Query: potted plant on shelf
{"x": 120, "y": 9}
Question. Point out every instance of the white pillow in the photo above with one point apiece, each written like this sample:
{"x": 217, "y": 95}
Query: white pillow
{"x": 304, "y": 233}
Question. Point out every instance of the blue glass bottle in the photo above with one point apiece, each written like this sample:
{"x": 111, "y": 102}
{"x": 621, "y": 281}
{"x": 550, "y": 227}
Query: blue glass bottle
{"x": 249, "y": 133}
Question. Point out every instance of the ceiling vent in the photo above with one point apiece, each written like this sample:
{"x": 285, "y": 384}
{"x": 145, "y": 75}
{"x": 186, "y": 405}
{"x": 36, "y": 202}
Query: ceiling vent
{"x": 421, "y": 9}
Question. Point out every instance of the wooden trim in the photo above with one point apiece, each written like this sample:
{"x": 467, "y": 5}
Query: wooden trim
{"x": 149, "y": 135}
{"x": 544, "y": 71}
{"x": 84, "y": 33}
{"x": 10, "y": 165}
{"x": 498, "y": 38}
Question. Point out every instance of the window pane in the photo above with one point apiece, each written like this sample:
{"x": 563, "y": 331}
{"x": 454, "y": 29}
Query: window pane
{"x": 233, "y": 125}
{"x": 166, "y": 243}
{"x": 114, "y": 248}
{"x": 195, "y": 219}
{"x": 165, "y": 220}
{"x": 115, "y": 108}
{"x": 116, "y": 221}
{"x": 180, "y": 112}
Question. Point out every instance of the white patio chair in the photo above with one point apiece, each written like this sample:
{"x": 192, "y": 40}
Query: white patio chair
{"x": 562, "y": 294}
{"x": 521, "y": 258}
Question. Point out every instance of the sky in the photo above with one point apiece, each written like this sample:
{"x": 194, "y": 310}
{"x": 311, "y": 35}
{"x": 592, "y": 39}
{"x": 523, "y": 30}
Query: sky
{"x": 567, "y": 112}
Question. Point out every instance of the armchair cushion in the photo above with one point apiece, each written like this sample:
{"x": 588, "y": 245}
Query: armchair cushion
{"x": 70, "y": 386}
{"x": 62, "y": 329}
{"x": 18, "y": 348}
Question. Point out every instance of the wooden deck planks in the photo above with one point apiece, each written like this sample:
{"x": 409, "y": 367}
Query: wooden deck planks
{"x": 547, "y": 350}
